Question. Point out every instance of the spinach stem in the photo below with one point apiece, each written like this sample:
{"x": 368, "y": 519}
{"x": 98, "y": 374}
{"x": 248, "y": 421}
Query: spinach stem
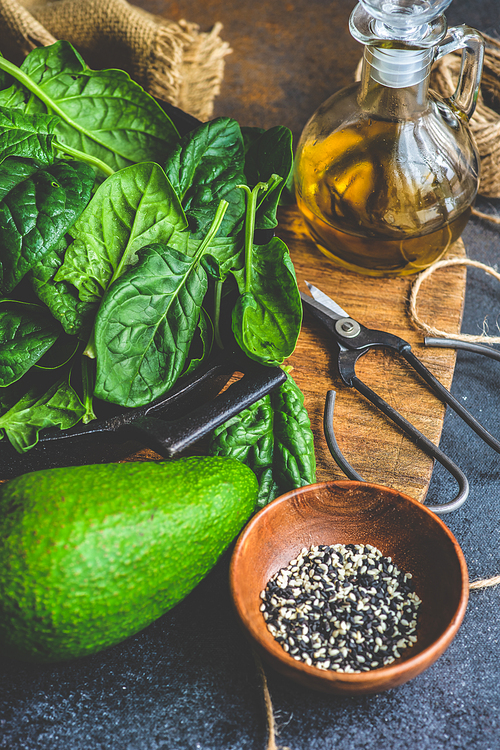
{"x": 252, "y": 196}
{"x": 217, "y": 303}
{"x": 90, "y": 348}
{"x": 272, "y": 183}
{"x": 214, "y": 228}
{"x": 88, "y": 390}
{"x": 81, "y": 156}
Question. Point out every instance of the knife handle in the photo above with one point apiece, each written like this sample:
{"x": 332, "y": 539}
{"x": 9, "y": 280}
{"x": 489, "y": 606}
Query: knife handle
{"x": 167, "y": 438}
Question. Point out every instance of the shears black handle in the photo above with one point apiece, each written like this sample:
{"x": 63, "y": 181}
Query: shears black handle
{"x": 420, "y": 440}
{"x": 346, "y": 362}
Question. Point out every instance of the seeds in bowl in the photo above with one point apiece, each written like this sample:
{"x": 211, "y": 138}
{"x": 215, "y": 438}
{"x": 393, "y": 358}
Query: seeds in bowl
{"x": 346, "y": 608}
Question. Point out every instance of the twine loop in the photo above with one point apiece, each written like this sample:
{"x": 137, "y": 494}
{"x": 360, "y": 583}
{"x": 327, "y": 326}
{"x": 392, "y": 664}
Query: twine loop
{"x": 483, "y": 338}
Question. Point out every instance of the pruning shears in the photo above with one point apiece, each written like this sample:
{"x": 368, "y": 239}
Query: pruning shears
{"x": 353, "y": 340}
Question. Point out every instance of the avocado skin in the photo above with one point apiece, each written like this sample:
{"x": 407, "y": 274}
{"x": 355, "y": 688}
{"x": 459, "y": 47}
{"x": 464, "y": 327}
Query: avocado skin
{"x": 90, "y": 555}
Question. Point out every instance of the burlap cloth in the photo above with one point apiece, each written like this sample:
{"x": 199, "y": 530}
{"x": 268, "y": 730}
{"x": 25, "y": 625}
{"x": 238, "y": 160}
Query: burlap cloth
{"x": 485, "y": 122}
{"x": 173, "y": 61}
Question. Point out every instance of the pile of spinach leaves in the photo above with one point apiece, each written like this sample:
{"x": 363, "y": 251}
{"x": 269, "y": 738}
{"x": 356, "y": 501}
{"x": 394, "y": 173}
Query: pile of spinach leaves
{"x": 120, "y": 241}
{"x": 274, "y": 438}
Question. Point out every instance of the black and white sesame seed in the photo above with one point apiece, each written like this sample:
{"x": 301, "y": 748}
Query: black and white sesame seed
{"x": 345, "y": 608}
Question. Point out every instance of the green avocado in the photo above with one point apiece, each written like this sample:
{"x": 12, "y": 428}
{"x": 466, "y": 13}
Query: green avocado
{"x": 90, "y": 555}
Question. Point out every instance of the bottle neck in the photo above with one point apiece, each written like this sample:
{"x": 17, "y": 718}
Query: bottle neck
{"x": 395, "y": 81}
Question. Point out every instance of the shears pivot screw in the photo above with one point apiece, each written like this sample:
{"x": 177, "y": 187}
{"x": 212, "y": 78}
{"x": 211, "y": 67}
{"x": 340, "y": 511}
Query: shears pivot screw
{"x": 347, "y": 328}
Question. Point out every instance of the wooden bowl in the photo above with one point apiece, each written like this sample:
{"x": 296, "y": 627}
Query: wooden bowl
{"x": 348, "y": 512}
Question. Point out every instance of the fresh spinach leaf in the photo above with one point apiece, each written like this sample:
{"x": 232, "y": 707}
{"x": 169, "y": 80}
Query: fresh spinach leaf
{"x": 38, "y": 204}
{"x": 75, "y": 316}
{"x": 274, "y": 438}
{"x": 27, "y": 136}
{"x": 10, "y": 394}
{"x": 294, "y": 462}
{"x": 267, "y": 316}
{"x": 248, "y": 437}
{"x": 146, "y": 321}
{"x": 250, "y": 135}
{"x": 103, "y": 113}
{"x": 37, "y": 409}
{"x": 26, "y": 333}
{"x": 201, "y": 344}
{"x": 204, "y": 169}
{"x": 61, "y": 353}
{"x": 133, "y": 208}
{"x": 145, "y": 324}
{"x": 14, "y": 172}
{"x": 224, "y": 255}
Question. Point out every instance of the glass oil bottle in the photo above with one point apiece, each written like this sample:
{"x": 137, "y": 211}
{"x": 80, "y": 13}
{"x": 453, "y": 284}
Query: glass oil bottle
{"x": 386, "y": 171}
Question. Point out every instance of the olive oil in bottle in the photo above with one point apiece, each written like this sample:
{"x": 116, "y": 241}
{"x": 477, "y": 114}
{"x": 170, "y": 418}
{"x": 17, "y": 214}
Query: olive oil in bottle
{"x": 386, "y": 172}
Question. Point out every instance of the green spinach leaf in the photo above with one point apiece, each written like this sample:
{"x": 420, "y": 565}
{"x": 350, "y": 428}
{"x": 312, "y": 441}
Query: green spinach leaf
{"x": 250, "y": 135}
{"x": 201, "y": 344}
{"x": 38, "y": 204}
{"x": 133, "y": 208}
{"x": 271, "y": 153}
{"x": 26, "y": 333}
{"x": 267, "y": 316}
{"x": 274, "y": 438}
{"x": 60, "y": 354}
{"x": 145, "y": 324}
{"x": 103, "y": 113}
{"x": 75, "y": 316}
{"x": 204, "y": 169}
{"x": 294, "y": 462}
{"x": 146, "y": 321}
{"x": 27, "y": 136}
{"x": 224, "y": 255}
{"x": 249, "y": 438}
{"x": 37, "y": 409}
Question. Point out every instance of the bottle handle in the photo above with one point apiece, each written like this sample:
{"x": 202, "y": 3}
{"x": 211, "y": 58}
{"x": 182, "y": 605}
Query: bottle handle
{"x": 471, "y": 42}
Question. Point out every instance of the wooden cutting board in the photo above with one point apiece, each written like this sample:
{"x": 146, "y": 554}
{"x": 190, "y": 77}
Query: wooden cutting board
{"x": 376, "y": 448}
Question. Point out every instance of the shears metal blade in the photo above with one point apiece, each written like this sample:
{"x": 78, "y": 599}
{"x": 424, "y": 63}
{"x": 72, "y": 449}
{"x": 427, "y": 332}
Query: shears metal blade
{"x": 325, "y": 300}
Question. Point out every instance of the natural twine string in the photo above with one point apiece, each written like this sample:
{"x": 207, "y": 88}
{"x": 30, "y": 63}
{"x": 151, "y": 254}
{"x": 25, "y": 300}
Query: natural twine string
{"x": 436, "y": 331}
{"x": 488, "y": 217}
{"x": 271, "y": 722}
{"x": 494, "y": 580}
{"x": 484, "y": 583}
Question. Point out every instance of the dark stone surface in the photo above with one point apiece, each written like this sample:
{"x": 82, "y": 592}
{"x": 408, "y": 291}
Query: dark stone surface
{"x": 189, "y": 680}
